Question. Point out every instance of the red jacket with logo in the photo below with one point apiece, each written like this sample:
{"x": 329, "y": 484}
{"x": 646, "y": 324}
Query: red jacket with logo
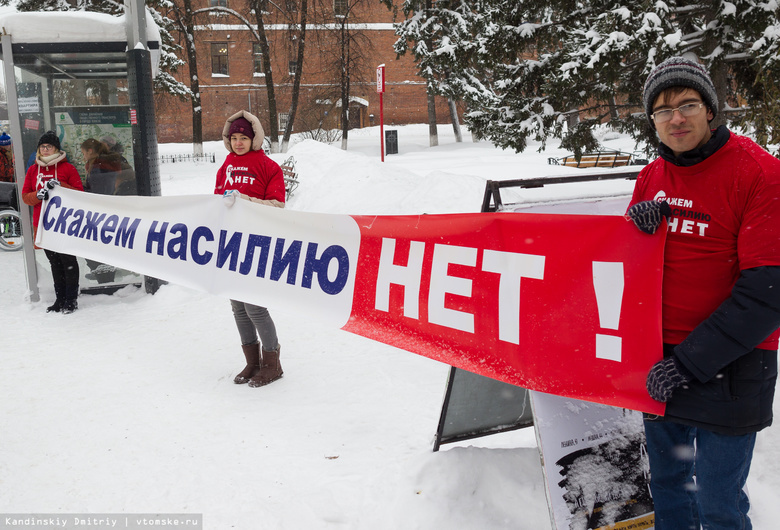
{"x": 724, "y": 220}
{"x": 252, "y": 174}
{"x": 38, "y": 175}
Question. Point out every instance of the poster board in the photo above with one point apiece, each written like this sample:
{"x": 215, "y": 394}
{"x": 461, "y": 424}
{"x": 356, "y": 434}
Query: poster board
{"x": 596, "y": 468}
{"x": 105, "y": 123}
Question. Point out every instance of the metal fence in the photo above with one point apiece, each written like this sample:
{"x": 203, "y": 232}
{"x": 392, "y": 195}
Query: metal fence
{"x": 172, "y": 159}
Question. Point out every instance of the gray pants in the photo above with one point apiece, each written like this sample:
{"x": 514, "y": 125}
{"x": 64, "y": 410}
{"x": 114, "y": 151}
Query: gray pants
{"x": 251, "y": 320}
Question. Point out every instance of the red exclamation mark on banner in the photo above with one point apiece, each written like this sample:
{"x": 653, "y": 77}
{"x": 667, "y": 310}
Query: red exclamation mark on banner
{"x": 608, "y": 282}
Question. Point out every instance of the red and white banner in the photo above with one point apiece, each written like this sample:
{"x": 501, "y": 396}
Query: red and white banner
{"x": 564, "y": 304}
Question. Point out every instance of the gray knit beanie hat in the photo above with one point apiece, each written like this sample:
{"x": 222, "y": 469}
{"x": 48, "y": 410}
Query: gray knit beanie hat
{"x": 679, "y": 71}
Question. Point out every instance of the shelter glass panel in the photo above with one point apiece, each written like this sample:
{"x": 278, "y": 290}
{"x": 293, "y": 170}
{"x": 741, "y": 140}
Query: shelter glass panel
{"x": 82, "y": 96}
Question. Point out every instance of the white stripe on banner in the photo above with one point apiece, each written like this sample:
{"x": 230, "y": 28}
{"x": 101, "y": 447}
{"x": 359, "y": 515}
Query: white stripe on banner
{"x": 256, "y": 254}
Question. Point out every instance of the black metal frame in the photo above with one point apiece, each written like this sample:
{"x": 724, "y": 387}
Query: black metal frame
{"x": 66, "y": 63}
{"x": 441, "y": 439}
{"x": 491, "y": 201}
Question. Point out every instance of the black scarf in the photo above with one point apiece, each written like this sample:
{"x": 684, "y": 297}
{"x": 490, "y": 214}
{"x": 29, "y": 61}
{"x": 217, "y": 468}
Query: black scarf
{"x": 719, "y": 138}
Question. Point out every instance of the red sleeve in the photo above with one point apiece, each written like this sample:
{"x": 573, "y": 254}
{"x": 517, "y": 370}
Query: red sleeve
{"x": 29, "y": 179}
{"x": 640, "y": 185}
{"x": 760, "y": 223}
{"x": 29, "y": 190}
{"x": 70, "y": 178}
{"x": 219, "y": 186}
{"x": 274, "y": 189}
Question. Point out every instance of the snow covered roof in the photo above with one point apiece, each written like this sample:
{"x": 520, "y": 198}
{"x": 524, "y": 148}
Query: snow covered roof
{"x": 74, "y": 44}
{"x": 354, "y": 99}
{"x": 70, "y": 27}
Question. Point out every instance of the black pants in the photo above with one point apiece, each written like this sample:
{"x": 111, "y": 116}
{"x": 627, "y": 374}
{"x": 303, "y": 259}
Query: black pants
{"x": 65, "y": 271}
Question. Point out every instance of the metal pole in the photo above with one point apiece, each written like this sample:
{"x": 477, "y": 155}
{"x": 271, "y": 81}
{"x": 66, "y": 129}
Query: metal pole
{"x": 382, "y": 126}
{"x": 142, "y": 118}
{"x": 30, "y": 270}
{"x": 135, "y": 23}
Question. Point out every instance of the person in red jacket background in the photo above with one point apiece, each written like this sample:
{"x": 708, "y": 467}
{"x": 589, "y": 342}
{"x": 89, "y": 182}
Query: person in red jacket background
{"x": 249, "y": 174}
{"x": 51, "y": 168}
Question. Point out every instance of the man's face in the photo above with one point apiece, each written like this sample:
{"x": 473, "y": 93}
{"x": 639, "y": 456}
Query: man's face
{"x": 682, "y": 133}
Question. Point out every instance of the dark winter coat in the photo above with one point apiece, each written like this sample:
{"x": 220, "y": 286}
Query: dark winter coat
{"x": 102, "y": 173}
{"x": 738, "y": 400}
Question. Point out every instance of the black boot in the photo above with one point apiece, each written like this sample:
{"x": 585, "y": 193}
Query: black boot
{"x": 56, "y": 306}
{"x": 69, "y": 306}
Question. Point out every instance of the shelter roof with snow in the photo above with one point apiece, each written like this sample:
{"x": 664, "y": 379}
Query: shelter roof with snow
{"x": 74, "y": 44}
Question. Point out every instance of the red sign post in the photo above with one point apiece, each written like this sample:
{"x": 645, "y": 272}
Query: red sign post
{"x": 380, "y": 88}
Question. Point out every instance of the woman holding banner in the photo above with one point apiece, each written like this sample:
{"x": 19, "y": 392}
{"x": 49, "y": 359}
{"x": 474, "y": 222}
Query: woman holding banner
{"x": 51, "y": 168}
{"x": 249, "y": 174}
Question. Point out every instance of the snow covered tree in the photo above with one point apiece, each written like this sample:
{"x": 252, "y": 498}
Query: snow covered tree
{"x": 169, "y": 59}
{"x": 555, "y": 69}
{"x": 290, "y": 10}
{"x": 181, "y": 14}
{"x": 426, "y": 30}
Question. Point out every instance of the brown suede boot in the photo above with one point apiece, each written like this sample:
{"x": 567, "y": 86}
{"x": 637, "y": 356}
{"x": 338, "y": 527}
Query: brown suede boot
{"x": 270, "y": 368}
{"x": 252, "y": 354}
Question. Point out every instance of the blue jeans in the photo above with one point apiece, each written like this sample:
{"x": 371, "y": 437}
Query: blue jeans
{"x": 697, "y": 477}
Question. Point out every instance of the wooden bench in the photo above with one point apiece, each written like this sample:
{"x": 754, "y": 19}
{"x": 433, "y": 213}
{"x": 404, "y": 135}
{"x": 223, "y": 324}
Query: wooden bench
{"x": 290, "y": 176}
{"x": 598, "y": 159}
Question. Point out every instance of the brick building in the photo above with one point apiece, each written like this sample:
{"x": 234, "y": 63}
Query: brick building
{"x": 231, "y": 75}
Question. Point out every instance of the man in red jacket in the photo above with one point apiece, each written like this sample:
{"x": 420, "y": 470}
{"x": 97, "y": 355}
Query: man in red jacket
{"x": 721, "y": 301}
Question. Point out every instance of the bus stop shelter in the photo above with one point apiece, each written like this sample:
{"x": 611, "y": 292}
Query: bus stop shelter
{"x": 82, "y": 75}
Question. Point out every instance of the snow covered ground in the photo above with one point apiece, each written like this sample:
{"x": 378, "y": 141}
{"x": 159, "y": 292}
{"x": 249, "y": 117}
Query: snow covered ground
{"x": 128, "y": 405}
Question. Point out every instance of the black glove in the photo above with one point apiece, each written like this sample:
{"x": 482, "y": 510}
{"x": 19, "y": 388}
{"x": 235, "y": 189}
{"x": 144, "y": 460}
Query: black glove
{"x": 51, "y": 183}
{"x": 664, "y": 377}
{"x": 647, "y": 215}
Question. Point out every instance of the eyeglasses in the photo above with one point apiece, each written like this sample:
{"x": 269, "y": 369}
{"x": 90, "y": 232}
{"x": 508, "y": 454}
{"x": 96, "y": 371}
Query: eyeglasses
{"x": 46, "y": 147}
{"x": 687, "y": 110}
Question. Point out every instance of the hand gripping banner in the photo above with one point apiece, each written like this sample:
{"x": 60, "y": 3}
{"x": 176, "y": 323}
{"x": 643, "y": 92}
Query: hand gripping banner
{"x": 563, "y": 304}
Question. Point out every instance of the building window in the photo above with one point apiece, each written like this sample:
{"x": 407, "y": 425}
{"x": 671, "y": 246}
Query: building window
{"x": 283, "y": 119}
{"x": 292, "y": 67}
{"x": 340, "y": 8}
{"x": 217, "y": 3}
{"x": 257, "y": 57}
{"x": 219, "y": 58}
